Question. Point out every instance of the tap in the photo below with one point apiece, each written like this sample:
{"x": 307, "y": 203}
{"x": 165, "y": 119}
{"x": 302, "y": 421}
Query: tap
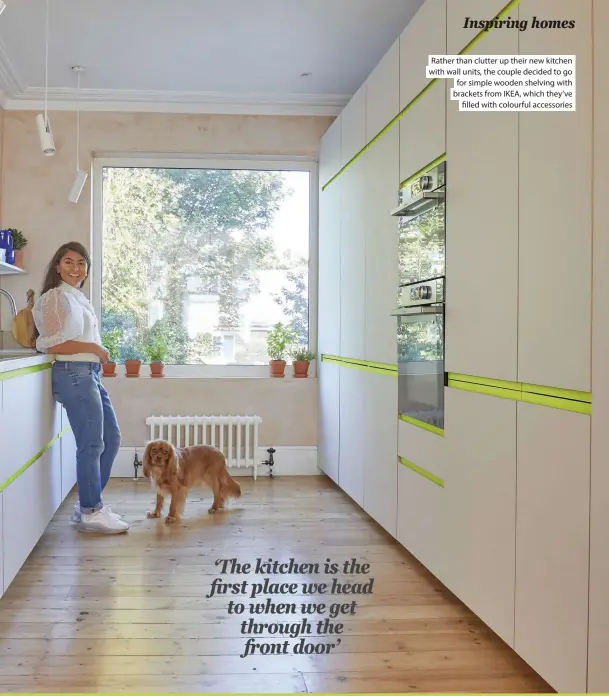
{"x": 11, "y": 301}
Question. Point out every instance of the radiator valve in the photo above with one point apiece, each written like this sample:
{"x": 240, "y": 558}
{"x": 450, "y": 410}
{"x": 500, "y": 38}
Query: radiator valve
{"x": 136, "y": 466}
{"x": 270, "y": 462}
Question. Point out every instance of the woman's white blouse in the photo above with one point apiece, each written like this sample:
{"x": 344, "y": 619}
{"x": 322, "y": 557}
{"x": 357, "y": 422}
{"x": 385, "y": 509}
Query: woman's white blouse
{"x": 65, "y": 314}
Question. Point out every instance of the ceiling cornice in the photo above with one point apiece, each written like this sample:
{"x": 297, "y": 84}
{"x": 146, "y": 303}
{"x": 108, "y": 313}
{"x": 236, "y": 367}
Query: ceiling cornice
{"x": 65, "y": 99}
{"x": 10, "y": 82}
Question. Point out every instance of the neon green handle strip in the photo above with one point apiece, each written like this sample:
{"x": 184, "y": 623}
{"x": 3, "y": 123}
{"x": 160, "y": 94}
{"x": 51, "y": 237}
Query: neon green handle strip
{"x": 422, "y": 472}
{"x": 420, "y": 424}
{"x": 19, "y": 372}
{"x": 34, "y": 459}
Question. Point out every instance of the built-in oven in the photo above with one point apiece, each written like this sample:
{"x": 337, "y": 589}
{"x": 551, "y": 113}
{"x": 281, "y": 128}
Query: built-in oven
{"x": 421, "y": 299}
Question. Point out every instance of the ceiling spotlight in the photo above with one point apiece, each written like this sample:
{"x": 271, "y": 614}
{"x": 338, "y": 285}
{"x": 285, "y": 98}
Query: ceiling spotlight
{"x": 47, "y": 144}
{"x": 2, "y": 6}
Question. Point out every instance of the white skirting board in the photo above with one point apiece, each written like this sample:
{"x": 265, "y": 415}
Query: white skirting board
{"x": 289, "y": 461}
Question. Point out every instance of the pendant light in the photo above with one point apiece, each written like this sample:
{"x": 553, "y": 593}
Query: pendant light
{"x": 81, "y": 177}
{"x": 47, "y": 144}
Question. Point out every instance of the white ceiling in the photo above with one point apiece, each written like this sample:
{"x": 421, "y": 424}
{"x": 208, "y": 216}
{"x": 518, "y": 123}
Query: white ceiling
{"x": 197, "y": 55}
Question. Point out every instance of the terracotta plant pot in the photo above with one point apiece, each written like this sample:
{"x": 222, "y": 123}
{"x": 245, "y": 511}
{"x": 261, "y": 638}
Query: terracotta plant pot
{"x": 277, "y": 368}
{"x": 301, "y": 368}
{"x": 157, "y": 369}
{"x": 19, "y": 258}
{"x": 109, "y": 369}
{"x": 132, "y": 368}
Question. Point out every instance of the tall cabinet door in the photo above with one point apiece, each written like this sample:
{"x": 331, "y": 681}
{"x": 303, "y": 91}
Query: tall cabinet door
{"x": 598, "y": 664}
{"x": 552, "y": 544}
{"x": 352, "y": 433}
{"x": 381, "y": 244}
{"x": 1, "y": 546}
{"x": 380, "y": 456}
{"x": 353, "y": 259}
{"x": 481, "y": 244}
{"x": 555, "y": 183}
{"x": 480, "y": 487}
{"x": 328, "y": 427}
{"x": 329, "y": 255}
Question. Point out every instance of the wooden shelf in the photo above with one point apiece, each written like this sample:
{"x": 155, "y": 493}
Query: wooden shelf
{"x": 8, "y": 269}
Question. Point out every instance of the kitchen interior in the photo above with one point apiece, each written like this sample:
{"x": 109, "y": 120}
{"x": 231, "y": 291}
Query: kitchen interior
{"x": 458, "y": 444}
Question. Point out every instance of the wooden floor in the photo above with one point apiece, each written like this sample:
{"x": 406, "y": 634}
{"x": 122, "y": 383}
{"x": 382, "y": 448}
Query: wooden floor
{"x": 130, "y": 614}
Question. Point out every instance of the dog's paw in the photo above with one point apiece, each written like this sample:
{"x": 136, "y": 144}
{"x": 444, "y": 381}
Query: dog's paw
{"x": 169, "y": 519}
{"x": 153, "y": 514}
{"x": 212, "y": 510}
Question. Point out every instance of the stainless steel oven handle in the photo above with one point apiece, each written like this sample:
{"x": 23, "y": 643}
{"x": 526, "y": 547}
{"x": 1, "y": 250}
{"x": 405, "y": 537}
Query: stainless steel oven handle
{"x": 414, "y": 311}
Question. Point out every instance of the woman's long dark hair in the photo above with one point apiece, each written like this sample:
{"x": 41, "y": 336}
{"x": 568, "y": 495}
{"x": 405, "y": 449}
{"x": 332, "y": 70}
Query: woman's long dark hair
{"x": 52, "y": 279}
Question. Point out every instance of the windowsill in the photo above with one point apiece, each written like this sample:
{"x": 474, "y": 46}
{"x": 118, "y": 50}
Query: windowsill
{"x": 201, "y": 372}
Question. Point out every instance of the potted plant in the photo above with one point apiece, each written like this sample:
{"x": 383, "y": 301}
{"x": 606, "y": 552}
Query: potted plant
{"x": 278, "y": 343}
{"x": 19, "y": 244}
{"x": 133, "y": 361}
{"x": 155, "y": 351}
{"x": 301, "y": 359}
{"x": 112, "y": 343}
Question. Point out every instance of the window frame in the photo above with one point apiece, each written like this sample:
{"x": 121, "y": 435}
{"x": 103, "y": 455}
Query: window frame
{"x": 182, "y": 161}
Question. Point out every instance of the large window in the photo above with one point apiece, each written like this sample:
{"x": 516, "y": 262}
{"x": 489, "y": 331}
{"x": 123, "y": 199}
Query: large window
{"x": 203, "y": 259}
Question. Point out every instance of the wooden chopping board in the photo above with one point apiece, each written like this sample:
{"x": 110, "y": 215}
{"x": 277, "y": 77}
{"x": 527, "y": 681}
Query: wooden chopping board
{"x": 23, "y": 327}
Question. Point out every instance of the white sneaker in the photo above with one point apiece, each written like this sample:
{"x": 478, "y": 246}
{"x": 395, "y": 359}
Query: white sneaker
{"x": 102, "y": 522}
{"x": 77, "y": 514}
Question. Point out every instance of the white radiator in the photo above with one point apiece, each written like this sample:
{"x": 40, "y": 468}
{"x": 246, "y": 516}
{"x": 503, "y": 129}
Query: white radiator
{"x": 235, "y": 436}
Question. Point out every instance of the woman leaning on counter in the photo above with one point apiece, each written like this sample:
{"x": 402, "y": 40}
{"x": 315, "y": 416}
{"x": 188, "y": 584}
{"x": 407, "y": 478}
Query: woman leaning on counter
{"x": 67, "y": 328}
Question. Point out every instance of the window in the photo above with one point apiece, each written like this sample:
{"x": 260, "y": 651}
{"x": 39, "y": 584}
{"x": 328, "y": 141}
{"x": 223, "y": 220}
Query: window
{"x": 203, "y": 258}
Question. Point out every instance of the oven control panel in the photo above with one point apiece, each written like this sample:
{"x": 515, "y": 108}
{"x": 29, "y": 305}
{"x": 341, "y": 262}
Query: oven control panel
{"x": 426, "y": 292}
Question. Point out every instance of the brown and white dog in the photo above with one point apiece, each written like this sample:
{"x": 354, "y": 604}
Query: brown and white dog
{"x": 174, "y": 471}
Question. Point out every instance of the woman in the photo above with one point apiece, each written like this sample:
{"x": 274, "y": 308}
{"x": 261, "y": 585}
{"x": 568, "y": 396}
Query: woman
{"x": 67, "y": 328}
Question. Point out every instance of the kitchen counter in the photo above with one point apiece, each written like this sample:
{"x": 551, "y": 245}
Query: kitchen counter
{"x": 17, "y": 359}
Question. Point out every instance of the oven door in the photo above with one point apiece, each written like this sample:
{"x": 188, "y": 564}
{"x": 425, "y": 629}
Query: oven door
{"x": 420, "y": 333}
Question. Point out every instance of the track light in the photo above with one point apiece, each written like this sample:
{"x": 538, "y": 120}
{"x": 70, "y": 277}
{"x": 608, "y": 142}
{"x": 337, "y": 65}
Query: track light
{"x": 2, "y": 6}
{"x": 77, "y": 186}
{"x": 47, "y": 144}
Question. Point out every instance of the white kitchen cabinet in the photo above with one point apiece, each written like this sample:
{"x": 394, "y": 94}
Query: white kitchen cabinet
{"x": 353, "y": 119}
{"x": 482, "y": 231}
{"x": 383, "y": 92}
{"x": 552, "y": 544}
{"x": 353, "y": 259}
{"x": 1, "y": 545}
{"x": 423, "y": 131}
{"x": 598, "y": 640}
{"x": 380, "y": 455}
{"x": 329, "y": 419}
{"x": 420, "y": 518}
{"x": 381, "y": 245}
{"x": 352, "y": 433}
{"x": 28, "y": 505}
{"x": 68, "y": 457}
{"x": 424, "y": 35}
{"x": 330, "y": 151}
{"x": 329, "y": 274}
{"x": 555, "y": 212}
{"x": 460, "y": 33}
{"x": 480, "y": 487}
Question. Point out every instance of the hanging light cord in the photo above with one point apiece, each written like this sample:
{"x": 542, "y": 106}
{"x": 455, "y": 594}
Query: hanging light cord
{"x": 46, "y": 68}
{"x": 78, "y": 122}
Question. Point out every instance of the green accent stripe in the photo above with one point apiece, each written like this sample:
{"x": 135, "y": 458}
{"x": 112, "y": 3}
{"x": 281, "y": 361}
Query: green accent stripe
{"x": 553, "y": 397}
{"x": 505, "y": 11}
{"x": 423, "y": 170}
{"x": 422, "y": 472}
{"x": 10, "y": 374}
{"x": 420, "y": 424}
{"x": 34, "y": 459}
{"x": 364, "y": 365}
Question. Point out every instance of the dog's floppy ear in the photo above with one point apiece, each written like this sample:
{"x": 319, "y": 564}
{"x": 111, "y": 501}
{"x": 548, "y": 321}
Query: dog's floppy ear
{"x": 172, "y": 458}
{"x": 146, "y": 461}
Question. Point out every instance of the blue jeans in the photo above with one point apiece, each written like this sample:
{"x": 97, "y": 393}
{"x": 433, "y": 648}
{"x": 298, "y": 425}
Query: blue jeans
{"x": 78, "y": 388}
